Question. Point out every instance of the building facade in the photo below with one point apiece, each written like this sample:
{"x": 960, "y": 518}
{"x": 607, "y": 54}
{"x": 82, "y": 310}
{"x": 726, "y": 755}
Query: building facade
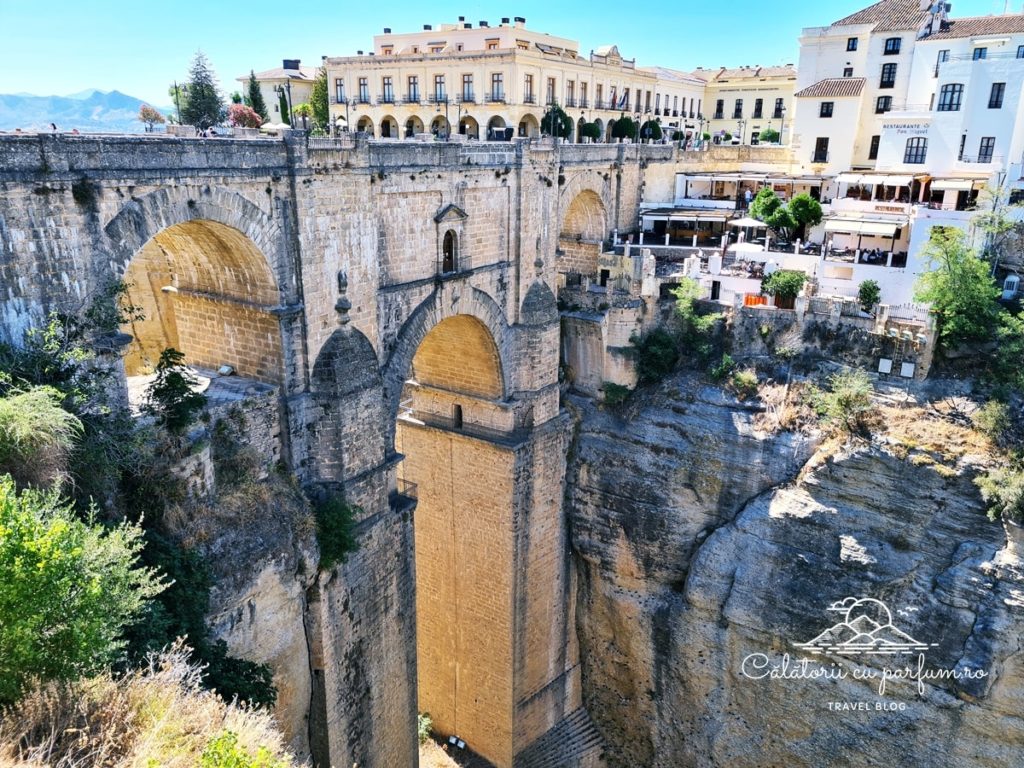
{"x": 291, "y": 83}
{"x": 743, "y": 103}
{"x": 496, "y": 83}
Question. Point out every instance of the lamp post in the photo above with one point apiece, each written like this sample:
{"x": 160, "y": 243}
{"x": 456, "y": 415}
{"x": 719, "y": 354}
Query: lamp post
{"x": 782, "y": 125}
{"x": 583, "y": 119}
{"x": 286, "y": 89}
{"x": 741, "y": 126}
{"x": 177, "y": 101}
{"x": 448, "y": 125}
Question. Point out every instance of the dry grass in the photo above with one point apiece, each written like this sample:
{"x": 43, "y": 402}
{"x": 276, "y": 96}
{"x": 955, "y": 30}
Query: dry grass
{"x": 931, "y": 433}
{"x": 157, "y": 717}
{"x": 784, "y": 411}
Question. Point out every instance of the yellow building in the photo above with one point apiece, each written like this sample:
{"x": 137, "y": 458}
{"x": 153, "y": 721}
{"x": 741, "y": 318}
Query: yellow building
{"x": 495, "y": 83}
{"x": 744, "y": 102}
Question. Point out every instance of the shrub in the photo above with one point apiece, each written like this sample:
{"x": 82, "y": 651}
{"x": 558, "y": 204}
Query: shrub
{"x": 36, "y": 436}
{"x": 769, "y": 136}
{"x": 224, "y": 751}
{"x": 156, "y": 716}
{"x": 556, "y": 122}
{"x": 68, "y": 589}
{"x": 656, "y": 355}
{"x": 744, "y": 384}
{"x": 785, "y": 284}
{"x": 172, "y": 397}
{"x": 624, "y": 128}
{"x": 335, "y": 530}
{"x": 1003, "y": 489}
{"x": 241, "y": 116}
{"x": 651, "y": 130}
{"x": 591, "y": 131}
{"x": 993, "y": 420}
{"x": 869, "y": 294}
{"x": 721, "y": 370}
{"x": 150, "y": 117}
{"x": 847, "y": 402}
{"x": 695, "y": 329}
{"x": 424, "y": 726}
{"x": 615, "y": 394}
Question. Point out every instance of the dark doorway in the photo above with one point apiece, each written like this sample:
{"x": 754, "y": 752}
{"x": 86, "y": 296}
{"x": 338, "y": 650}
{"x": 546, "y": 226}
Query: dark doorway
{"x": 449, "y": 252}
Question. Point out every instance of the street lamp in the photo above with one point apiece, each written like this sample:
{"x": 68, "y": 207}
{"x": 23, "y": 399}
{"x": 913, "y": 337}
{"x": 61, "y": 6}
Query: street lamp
{"x": 782, "y": 125}
{"x": 741, "y": 126}
{"x": 448, "y": 125}
{"x": 286, "y": 89}
{"x": 177, "y": 103}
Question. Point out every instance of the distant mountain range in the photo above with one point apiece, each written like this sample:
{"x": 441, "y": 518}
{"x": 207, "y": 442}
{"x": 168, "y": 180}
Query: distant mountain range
{"x": 88, "y": 111}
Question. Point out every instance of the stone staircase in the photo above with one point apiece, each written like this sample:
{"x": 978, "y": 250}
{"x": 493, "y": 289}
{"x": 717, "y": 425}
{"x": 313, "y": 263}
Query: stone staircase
{"x": 573, "y": 743}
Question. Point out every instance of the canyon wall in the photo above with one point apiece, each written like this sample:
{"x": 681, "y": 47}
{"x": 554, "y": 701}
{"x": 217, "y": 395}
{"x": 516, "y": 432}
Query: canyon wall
{"x": 708, "y": 551}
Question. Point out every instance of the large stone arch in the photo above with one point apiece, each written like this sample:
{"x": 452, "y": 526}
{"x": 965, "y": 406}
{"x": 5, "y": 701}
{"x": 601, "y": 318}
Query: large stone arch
{"x": 582, "y": 231}
{"x": 195, "y": 267}
{"x": 441, "y": 305}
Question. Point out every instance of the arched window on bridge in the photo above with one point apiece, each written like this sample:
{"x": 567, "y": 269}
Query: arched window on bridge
{"x": 450, "y": 252}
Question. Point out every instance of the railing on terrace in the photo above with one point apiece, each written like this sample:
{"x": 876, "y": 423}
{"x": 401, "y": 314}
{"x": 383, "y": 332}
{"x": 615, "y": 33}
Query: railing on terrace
{"x": 404, "y": 494}
{"x": 981, "y": 159}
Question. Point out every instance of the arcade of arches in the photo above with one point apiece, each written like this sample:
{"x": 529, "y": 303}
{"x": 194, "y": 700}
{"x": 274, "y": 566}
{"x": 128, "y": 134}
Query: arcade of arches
{"x": 583, "y": 230}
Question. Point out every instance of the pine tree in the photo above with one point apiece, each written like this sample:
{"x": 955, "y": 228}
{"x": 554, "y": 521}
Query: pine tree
{"x": 255, "y": 97}
{"x": 319, "y": 100}
{"x": 282, "y": 102}
{"x": 204, "y": 106}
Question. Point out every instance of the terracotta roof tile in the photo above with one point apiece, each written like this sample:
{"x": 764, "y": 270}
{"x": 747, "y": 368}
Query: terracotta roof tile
{"x": 889, "y": 16}
{"x": 744, "y": 73}
{"x": 834, "y": 87}
{"x": 981, "y": 25}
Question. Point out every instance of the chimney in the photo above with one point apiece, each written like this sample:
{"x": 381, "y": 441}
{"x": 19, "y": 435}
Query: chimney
{"x": 504, "y": 21}
{"x": 387, "y": 30}
{"x": 462, "y": 18}
{"x": 427, "y": 27}
{"x": 484, "y": 25}
{"x": 290, "y": 64}
{"x": 467, "y": 25}
{"x": 359, "y": 53}
{"x": 520, "y": 21}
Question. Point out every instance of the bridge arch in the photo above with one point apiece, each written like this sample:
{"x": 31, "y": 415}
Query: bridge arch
{"x": 203, "y": 273}
{"x": 582, "y": 232}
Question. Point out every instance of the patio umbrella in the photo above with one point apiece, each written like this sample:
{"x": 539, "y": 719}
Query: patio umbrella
{"x": 751, "y": 251}
{"x": 275, "y": 127}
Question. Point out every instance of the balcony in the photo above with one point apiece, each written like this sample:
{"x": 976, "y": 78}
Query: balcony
{"x": 570, "y": 102}
{"x": 599, "y": 104}
{"x": 718, "y": 116}
{"x": 386, "y": 98}
{"x": 584, "y": 104}
{"x": 404, "y": 496}
{"x": 411, "y": 98}
{"x": 529, "y": 99}
{"x": 438, "y": 98}
{"x": 981, "y": 159}
{"x": 468, "y": 97}
{"x": 497, "y": 97}
{"x": 819, "y": 157}
{"x": 364, "y": 98}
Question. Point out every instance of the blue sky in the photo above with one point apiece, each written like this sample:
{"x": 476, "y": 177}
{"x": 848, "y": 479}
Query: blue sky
{"x": 139, "y": 46}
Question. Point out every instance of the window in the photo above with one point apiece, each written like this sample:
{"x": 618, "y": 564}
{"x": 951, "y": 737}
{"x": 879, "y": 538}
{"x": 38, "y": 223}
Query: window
{"x": 583, "y": 96}
{"x": 339, "y": 90}
{"x": 657, "y": 104}
{"x": 388, "y": 90}
{"x": 888, "y": 76}
{"x": 1020, "y": 51}
{"x": 873, "y": 150}
{"x": 963, "y": 146}
{"x": 414, "y": 89}
{"x": 943, "y": 56}
{"x": 598, "y": 95}
{"x": 497, "y": 86}
{"x": 386, "y": 50}
{"x": 848, "y": 72}
{"x": 950, "y": 97}
{"x": 437, "y": 49}
{"x": 988, "y": 146}
{"x": 980, "y": 53}
{"x": 758, "y": 108}
{"x": 528, "y": 97}
{"x": 826, "y": 109}
{"x": 439, "y": 92}
{"x": 647, "y": 102}
{"x": 551, "y": 90}
{"x": 779, "y": 108}
{"x": 492, "y": 45}
{"x": 892, "y": 46}
{"x": 449, "y": 253}
{"x": 851, "y": 44}
{"x": 638, "y": 97}
{"x": 883, "y": 105}
{"x": 995, "y": 98}
{"x": 737, "y": 110}
{"x": 820, "y": 150}
{"x": 364, "y": 91}
{"x": 570, "y": 93}
{"x": 916, "y": 151}
{"x": 467, "y": 88}
{"x": 719, "y": 106}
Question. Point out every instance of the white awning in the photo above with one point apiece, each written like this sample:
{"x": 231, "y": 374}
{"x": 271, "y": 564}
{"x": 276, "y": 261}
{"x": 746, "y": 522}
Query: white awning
{"x": 895, "y": 181}
{"x": 849, "y": 178}
{"x": 703, "y": 215}
{"x": 958, "y": 184}
{"x": 748, "y": 222}
{"x": 862, "y": 227}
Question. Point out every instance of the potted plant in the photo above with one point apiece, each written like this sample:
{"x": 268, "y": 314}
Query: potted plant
{"x": 869, "y": 295}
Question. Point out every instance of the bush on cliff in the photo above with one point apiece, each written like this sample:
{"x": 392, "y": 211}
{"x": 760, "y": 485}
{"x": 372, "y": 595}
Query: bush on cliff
{"x": 656, "y": 353}
{"x": 847, "y": 402}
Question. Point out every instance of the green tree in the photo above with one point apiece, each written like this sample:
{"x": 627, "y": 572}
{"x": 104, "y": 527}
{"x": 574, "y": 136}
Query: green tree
{"x": 304, "y": 112}
{"x": 556, "y": 122}
{"x": 282, "y": 104}
{"x": 767, "y": 207}
{"x": 695, "y": 329}
{"x": 998, "y": 220}
{"x": 806, "y": 212}
{"x": 960, "y": 289}
{"x": 320, "y": 101}
{"x": 769, "y": 136}
{"x": 785, "y": 285}
{"x": 651, "y": 130}
{"x": 68, "y": 589}
{"x": 869, "y": 294}
{"x": 591, "y": 131}
{"x": 254, "y": 97}
{"x": 624, "y": 128}
{"x": 656, "y": 355}
{"x": 236, "y": 98}
{"x": 203, "y": 106}
{"x": 172, "y": 397}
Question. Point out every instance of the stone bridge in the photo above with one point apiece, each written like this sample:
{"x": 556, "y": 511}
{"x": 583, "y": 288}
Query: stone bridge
{"x": 399, "y": 300}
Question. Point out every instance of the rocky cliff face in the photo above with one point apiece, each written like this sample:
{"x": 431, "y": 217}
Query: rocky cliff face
{"x": 707, "y": 552}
